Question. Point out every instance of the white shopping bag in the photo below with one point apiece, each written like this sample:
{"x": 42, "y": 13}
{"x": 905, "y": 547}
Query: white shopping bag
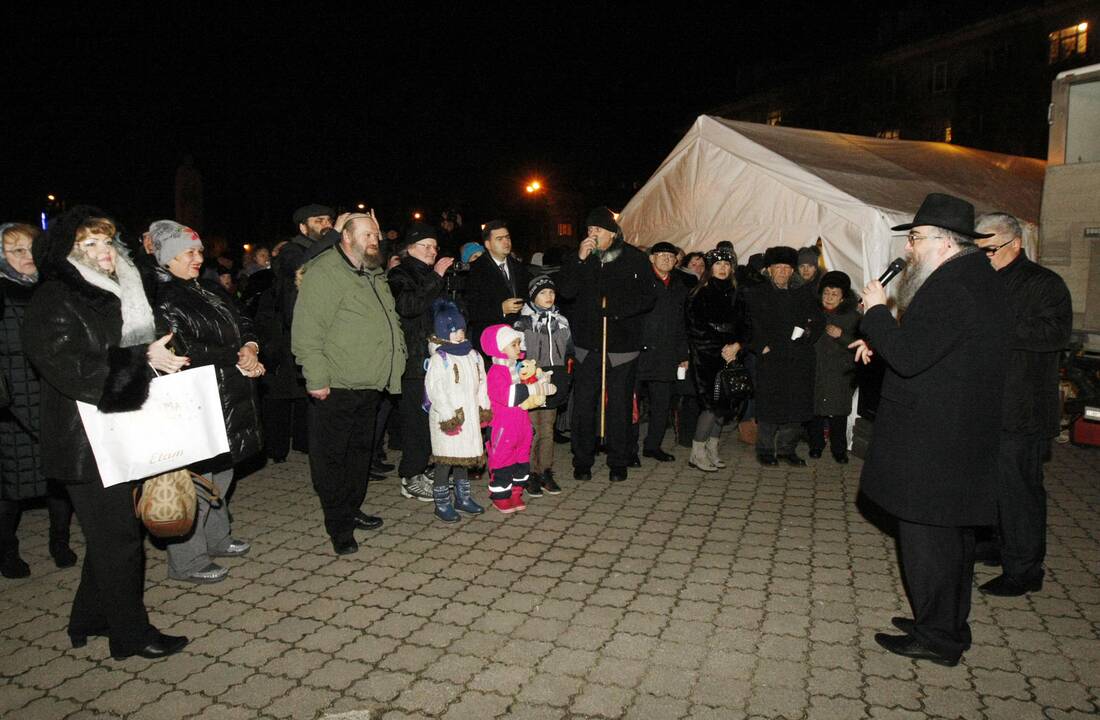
{"x": 181, "y": 423}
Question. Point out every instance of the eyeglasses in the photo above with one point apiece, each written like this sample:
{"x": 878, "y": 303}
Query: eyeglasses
{"x": 427, "y": 245}
{"x": 913, "y": 238}
{"x": 992, "y": 249}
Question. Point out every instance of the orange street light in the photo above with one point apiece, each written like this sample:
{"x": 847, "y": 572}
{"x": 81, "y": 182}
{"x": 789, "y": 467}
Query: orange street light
{"x": 530, "y": 188}
{"x": 247, "y": 247}
{"x": 361, "y": 206}
{"x": 51, "y": 198}
{"x": 416, "y": 216}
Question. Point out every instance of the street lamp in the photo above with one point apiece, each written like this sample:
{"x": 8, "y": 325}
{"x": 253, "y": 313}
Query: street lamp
{"x": 416, "y": 216}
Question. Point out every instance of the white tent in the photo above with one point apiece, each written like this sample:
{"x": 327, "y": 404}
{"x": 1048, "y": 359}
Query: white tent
{"x": 759, "y": 185}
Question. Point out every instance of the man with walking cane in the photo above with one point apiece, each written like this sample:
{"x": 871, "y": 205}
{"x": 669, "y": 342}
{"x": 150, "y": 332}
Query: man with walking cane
{"x": 608, "y": 280}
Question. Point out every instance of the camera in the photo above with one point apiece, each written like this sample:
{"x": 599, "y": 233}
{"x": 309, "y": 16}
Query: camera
{"x": 459, "y": 266}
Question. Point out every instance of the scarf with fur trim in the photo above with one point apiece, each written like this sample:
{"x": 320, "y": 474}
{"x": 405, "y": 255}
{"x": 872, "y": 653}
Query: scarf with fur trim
{"x": 137, "y": 317}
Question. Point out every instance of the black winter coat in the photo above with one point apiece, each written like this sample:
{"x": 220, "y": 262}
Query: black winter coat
{"x": 1042, "y": 320}
{"x": 624, "y": 279}
{"x": 275, "y": 315}
{"x": 932, "y": 458}
{"x": 835, "y": 371}
{"x": 71, "y": 333}
{"x": 415, "y": 286}
{"x": 715, "y": 317}
{"x": 487, "y": 288}
{"x": 210, "y": 330}
{"x": 784, "y": 374}
{"x": 665, "y": 335}
{"x": 20, "y": 477}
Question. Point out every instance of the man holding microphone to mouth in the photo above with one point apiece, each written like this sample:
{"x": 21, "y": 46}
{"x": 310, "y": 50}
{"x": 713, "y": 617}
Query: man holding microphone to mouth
{"x": 608, "y": 280}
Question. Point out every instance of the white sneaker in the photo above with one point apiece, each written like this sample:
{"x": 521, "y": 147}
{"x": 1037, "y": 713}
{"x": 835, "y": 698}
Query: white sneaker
{"x": 418, "y": 487}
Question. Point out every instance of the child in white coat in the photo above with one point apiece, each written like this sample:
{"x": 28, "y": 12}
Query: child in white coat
{"x": 459, "y": 408}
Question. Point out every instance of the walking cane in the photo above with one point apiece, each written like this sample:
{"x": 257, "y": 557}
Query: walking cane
{"x": 603, "y": 374}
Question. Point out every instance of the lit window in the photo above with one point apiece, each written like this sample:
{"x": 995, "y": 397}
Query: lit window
{"x": 775, "y": 117}
{"x": 939, "y": 77}
{"x": 891, "y": 134}
{"x": 947, "y": 133}
{"x": 565, "y": 229}
{"x": 1067, "y": 42}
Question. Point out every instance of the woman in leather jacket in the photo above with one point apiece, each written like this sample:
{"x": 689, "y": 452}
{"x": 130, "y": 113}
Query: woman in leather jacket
{"x": 208, "y": 329}
{"x": 89, "y": 332}
{"x": 716, "y": 331}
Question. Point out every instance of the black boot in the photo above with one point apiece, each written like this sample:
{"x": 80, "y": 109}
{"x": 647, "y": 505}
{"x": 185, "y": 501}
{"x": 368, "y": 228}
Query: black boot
{"x": 11, "y": 565}
{"x": 61, "y": 514}
{"x": 534, "y": 485}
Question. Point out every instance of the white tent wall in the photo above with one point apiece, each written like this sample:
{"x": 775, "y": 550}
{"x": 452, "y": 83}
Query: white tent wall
{"x": 721, "y": 182}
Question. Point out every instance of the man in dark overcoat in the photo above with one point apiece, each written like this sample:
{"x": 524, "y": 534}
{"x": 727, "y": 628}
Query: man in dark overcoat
{"x": 496, "y": 287}
{"x": 665, "y": 348}
{"x": 605, "y": 278}
{"x": 936, "y": 431}
{"x": 1042, "y": 320}
{"x": 786, "y": 322}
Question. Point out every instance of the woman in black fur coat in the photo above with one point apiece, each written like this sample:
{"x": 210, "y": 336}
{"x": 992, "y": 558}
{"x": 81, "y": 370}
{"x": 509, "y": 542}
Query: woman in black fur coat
{"x": 89, "y": 332}
{"x": 834, "y": 376}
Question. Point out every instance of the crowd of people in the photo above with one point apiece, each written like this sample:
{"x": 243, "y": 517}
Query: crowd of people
{"x": 347, "y": 341}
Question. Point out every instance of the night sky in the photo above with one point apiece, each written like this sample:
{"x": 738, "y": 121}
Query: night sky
{"x": 425, "y": 108}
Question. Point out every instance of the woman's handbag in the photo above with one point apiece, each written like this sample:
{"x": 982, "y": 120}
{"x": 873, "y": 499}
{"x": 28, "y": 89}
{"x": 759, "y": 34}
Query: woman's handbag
{"x": 732, "y": 387}
{"x": 166, "y": 503}
{"x": 180, "y": 424}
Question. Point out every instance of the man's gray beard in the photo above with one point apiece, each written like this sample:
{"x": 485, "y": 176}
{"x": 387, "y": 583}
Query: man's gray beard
{"x": 911, "y": 281}
{"x": 368, "y": 260}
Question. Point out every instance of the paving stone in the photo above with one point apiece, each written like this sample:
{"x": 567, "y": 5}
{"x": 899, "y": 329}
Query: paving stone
{"x": 549, "y": 690}
{"x": 477, "y": 705}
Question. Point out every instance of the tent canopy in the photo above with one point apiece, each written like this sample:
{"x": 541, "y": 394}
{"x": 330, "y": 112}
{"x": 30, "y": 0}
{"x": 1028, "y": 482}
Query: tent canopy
{"x": 760, "y": 185}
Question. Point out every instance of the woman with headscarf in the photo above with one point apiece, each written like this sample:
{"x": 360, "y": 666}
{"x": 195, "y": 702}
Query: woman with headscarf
{"x": 20, "y": 473}
{"x": 208, "y": 328}
{"x": 89, "y": 332}
{"x": 716, "y": 333}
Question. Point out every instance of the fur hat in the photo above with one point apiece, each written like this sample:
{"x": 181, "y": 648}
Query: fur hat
{"x": 170, "y": 239}
{"x": 313, "y": 210}
{"x": 538, "y": 284}
{"x": 781, "y": 255}
{"x": 446, "y": 318}
{"x": 835, "y": 279}
{"x": 603, "y": 218}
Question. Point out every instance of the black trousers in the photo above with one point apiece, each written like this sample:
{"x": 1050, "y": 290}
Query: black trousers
{"x": 285, "y": 424}
{"x": 937, "y": 566}
{"x": 585, "y": 423}
{"x": 838, "y": 433}
{"x": 110, "y": 598}
{"x": 341, "y": 430}
{"x": 1022, "y": 505}
{"x": 416, "y": 442}
{"x": 688, "y": 418}
{"x": 660, "y": 402}
{"x": 60, "y": 511}
{"x": 778, "y": 438}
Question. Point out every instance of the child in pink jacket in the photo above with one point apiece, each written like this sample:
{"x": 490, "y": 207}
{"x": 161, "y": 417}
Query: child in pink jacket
{"x": 513, "y": 389}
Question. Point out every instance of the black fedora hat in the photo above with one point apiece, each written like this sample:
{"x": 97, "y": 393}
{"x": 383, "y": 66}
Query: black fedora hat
{"x": 947, "y": 212}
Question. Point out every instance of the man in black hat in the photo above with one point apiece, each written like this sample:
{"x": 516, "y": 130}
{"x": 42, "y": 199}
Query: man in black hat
{"x": 415, "y": 284}
{"x": 938, "y": 420}
{"x": 606, "y": 278}
{"x": 284, "y": 403}
{"x": 665, "y": 348}
{"x": 1043, "y": 320}
{"x": 785, "y": 325}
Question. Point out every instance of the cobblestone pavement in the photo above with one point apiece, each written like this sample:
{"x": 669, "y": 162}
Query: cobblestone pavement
{"x": 673, "y": 595}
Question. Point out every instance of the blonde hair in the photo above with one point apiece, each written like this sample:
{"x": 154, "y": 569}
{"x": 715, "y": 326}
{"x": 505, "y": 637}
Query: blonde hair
{"x": 94, "y": 226}
{"x": 16, "y": 231}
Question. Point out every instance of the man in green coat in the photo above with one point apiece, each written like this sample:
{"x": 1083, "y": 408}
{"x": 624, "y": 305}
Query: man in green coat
{"x": 347, "y": 338}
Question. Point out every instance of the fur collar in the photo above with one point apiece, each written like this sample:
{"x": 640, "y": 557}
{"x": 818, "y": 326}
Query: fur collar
{"x": 612, "y": 253}
{"x": 137, "y": 316}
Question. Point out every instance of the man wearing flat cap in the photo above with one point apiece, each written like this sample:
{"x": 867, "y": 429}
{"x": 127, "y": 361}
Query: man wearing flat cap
{"x": 786, "y": 323}
{"x": 931, "y": 459}
{"x": 606, "y": 279}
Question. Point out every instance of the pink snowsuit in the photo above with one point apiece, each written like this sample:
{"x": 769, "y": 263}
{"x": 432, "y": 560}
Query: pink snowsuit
{"x": 509, "y": 446}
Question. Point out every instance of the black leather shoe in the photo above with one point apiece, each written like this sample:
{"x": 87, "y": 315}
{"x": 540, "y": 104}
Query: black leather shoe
{"x": 63, "y": 555}
{"x": 904, "y": 624}
{"x": 345, "y": 547}
{"x": 1008, "y": 586}
{"x": 278, "y": 460}
{"x": 375, "y": 475}
{"x": 815, "y": 454}
{"x": 766, "y": 459}
{"x": 163, "y": 646}
{"x": 793, "y": 460}
{"x": 367, "y": 522}
{"x": 635, "y": 462}
{"x": 842, "y": 459}
{"x": 382, "y": 466}
{"x": 617, "y": 474}
{"x": 910, "y": 647}
{"x": 659, "y": 455}
{"x": 582, "y": 474}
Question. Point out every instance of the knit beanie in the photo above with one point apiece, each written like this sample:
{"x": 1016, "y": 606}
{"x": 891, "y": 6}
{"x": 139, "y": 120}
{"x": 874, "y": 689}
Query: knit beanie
{"x": 469, "y": 249}
{"x": 537, "y": 285}
{"x": 446, "y": 318}
{"x": 170, "y": 239}
{"x": 603, "y": 218}
{"x": 420, "y": 231}
{"x": 808, "y": 255}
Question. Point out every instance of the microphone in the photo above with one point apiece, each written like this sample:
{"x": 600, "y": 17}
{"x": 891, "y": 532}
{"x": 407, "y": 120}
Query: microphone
{"x": 892, "y": 270}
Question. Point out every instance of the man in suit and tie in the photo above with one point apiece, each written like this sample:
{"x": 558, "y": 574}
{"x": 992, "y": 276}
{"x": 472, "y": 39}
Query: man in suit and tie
{"x": 497, "y": 283}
